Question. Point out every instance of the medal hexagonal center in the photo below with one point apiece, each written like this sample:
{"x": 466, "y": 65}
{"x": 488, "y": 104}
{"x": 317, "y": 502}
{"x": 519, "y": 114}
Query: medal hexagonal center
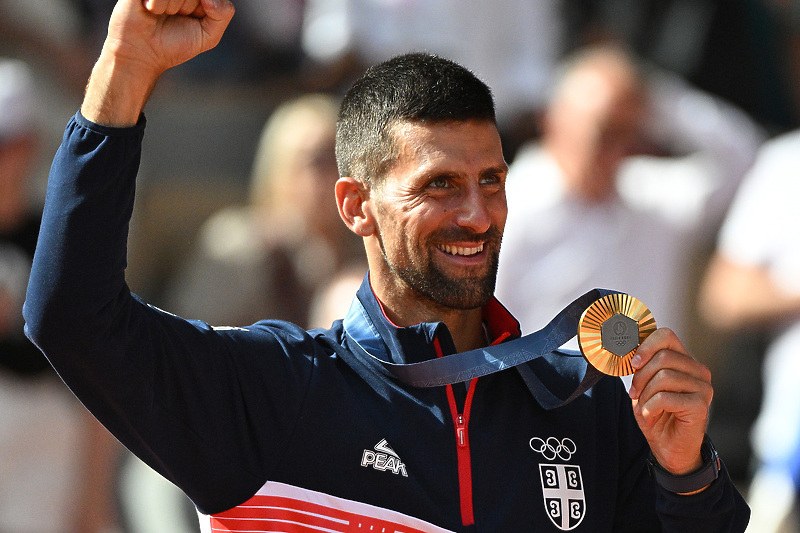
{"x": 619, "y": 335}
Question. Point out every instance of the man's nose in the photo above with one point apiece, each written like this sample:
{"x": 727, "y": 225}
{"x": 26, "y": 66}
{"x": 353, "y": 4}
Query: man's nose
{"x": 473, "y": 212}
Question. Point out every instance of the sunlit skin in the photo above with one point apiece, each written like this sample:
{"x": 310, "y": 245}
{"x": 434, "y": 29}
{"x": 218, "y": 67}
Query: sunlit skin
{"x": 433, "y": 225}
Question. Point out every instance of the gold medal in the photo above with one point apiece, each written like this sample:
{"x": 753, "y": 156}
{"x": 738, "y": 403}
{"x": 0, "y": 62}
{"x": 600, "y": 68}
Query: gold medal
{"x": 611, "y": 329}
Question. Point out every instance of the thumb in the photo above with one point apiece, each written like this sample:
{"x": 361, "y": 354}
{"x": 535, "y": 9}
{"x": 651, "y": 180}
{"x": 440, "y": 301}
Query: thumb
{"x": 218, "y": 14}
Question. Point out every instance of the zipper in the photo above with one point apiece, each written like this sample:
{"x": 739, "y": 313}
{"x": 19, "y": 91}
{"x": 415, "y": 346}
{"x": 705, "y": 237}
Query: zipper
{"x": 461, "y": 423}
{"x": 461, "y": 432}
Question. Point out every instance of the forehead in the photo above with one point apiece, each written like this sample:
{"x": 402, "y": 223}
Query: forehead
{"x": 452, "y": 146}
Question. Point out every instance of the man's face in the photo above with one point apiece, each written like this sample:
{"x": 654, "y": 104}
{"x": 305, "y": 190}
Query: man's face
{"x": 440, "y": 213}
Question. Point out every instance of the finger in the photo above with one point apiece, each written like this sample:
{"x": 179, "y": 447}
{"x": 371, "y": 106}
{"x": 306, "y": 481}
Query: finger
{"x": 660, "y": 339}
{"x": 172, "y": 7}
{"x": 181, "y": 7}
{"x": 218, "y": 14}
{"x": 156, "y": 7}
{"x": 193, "y": 8}
{"x": 219, "y": 10}
{"x": 676, "y": 408}
{"x": 670, "y": 381}
{"x": 189, "y": 8}
{"x": 667, "y": 360}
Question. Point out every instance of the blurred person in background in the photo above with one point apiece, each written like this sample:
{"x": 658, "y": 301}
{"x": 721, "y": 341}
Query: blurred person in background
{"x": 332, "y": 301}
{"x": 269, "y": 257}
{"x": 753, "y": 284}
{"x": 56, "y": 461}
{"x": 583, "y": 210}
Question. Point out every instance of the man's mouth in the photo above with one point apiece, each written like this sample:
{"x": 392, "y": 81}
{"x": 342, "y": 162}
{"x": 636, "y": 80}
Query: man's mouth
{"x": 460, "y": 250}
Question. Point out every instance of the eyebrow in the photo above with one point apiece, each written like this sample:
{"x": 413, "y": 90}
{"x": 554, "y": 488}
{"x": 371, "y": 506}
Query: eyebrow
{"x": 493, "y": 171}
{"x": 484, "y": 173}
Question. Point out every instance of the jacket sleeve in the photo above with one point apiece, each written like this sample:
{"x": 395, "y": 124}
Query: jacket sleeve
{"x": 180, "y": 394}
{"x": 718, "y": 509}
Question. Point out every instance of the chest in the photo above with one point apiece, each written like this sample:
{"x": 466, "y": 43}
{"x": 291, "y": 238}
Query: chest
{"x": 497, "y": 463}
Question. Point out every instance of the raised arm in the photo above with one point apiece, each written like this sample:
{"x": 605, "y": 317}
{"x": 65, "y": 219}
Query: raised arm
{"x": 716, "y": 143}
{"x": 145, "y": 38}
{"x": 170, "y": 389}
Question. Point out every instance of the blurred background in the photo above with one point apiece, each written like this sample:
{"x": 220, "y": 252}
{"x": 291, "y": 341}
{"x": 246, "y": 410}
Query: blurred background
{"x": 235, "y": 201}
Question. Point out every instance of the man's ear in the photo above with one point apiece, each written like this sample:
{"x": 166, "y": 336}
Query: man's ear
{"x": 352, "y": 199}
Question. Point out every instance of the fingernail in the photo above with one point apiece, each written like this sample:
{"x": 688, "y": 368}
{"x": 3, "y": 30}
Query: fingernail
{"x": 636, "y": 362}
{"x": 633, "y": 393}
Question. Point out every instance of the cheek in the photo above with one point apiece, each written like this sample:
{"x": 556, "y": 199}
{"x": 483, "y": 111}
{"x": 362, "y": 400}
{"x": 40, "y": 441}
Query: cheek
{"x": 402, "y": 242}
{"x": 498, "y": 210}
{"x": 406, "y": 225}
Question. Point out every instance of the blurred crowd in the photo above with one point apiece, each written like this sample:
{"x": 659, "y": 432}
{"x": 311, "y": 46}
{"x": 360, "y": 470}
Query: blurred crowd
{"x": 654, "y": 148}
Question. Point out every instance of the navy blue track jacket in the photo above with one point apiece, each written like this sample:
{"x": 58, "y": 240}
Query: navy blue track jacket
{"x": 273, "y": 428}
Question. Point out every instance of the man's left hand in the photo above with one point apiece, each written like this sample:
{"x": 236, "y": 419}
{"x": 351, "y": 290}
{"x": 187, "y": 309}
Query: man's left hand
{"x": 671, "y": 395}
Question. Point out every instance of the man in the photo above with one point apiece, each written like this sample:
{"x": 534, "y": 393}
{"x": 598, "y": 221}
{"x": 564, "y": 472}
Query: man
{"x": 273, "y": 428}
{"x": 586, "y": 199}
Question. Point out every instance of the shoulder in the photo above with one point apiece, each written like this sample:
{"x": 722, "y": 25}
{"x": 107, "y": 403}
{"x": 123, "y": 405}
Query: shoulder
{"x": 283, "y": 332}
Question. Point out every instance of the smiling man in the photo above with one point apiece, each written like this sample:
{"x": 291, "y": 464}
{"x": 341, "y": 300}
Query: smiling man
{"x": 432, "y": 224}
{"x": 272, "y": 428}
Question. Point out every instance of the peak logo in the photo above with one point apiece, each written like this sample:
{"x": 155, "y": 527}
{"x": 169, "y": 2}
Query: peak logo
{"x": 383, "y": 458}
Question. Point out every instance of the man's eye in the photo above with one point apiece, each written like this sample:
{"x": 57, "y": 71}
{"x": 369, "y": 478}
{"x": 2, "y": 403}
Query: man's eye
{"x": 439, "y": 183}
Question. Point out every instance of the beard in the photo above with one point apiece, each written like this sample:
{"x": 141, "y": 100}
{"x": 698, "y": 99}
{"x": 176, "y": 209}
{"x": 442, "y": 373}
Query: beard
{"x": 462, "y": 292}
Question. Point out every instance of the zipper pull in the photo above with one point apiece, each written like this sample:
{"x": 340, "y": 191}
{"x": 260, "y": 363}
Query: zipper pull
{"x": 461, "y": 432}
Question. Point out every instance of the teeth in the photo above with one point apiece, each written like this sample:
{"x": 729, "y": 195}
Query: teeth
{"x": 460, "y": 250}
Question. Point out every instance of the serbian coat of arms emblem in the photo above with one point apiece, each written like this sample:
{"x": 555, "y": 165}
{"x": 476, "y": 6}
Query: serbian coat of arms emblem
{"x": 562, "y": 484}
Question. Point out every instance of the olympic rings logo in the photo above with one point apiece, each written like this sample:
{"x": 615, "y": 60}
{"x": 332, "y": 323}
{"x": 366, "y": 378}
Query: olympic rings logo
{"x": 552, "y": 447}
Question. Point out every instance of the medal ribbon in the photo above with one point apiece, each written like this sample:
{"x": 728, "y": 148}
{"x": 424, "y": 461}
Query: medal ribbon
{"x": 464, "y": 366}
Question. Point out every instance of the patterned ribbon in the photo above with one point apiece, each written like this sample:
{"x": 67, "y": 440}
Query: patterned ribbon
{"x": 464, "y": 366}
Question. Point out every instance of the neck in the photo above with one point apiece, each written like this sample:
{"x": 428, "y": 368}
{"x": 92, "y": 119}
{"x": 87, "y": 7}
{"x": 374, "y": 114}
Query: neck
{"x": 465, "y": 326}
{"x": 467, "y": 331}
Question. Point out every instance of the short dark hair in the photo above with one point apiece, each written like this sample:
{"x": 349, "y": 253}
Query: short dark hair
{"x": 411, "y": 87}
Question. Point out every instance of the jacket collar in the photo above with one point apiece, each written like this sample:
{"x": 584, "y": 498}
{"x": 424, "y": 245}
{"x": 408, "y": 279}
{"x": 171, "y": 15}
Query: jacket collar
{"x": 367, "y": 323}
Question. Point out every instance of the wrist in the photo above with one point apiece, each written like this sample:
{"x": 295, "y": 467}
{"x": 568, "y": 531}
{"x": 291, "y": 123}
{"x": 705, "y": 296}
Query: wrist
{"x": 692, "y": 482}
{"x": 117, "y": 91}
